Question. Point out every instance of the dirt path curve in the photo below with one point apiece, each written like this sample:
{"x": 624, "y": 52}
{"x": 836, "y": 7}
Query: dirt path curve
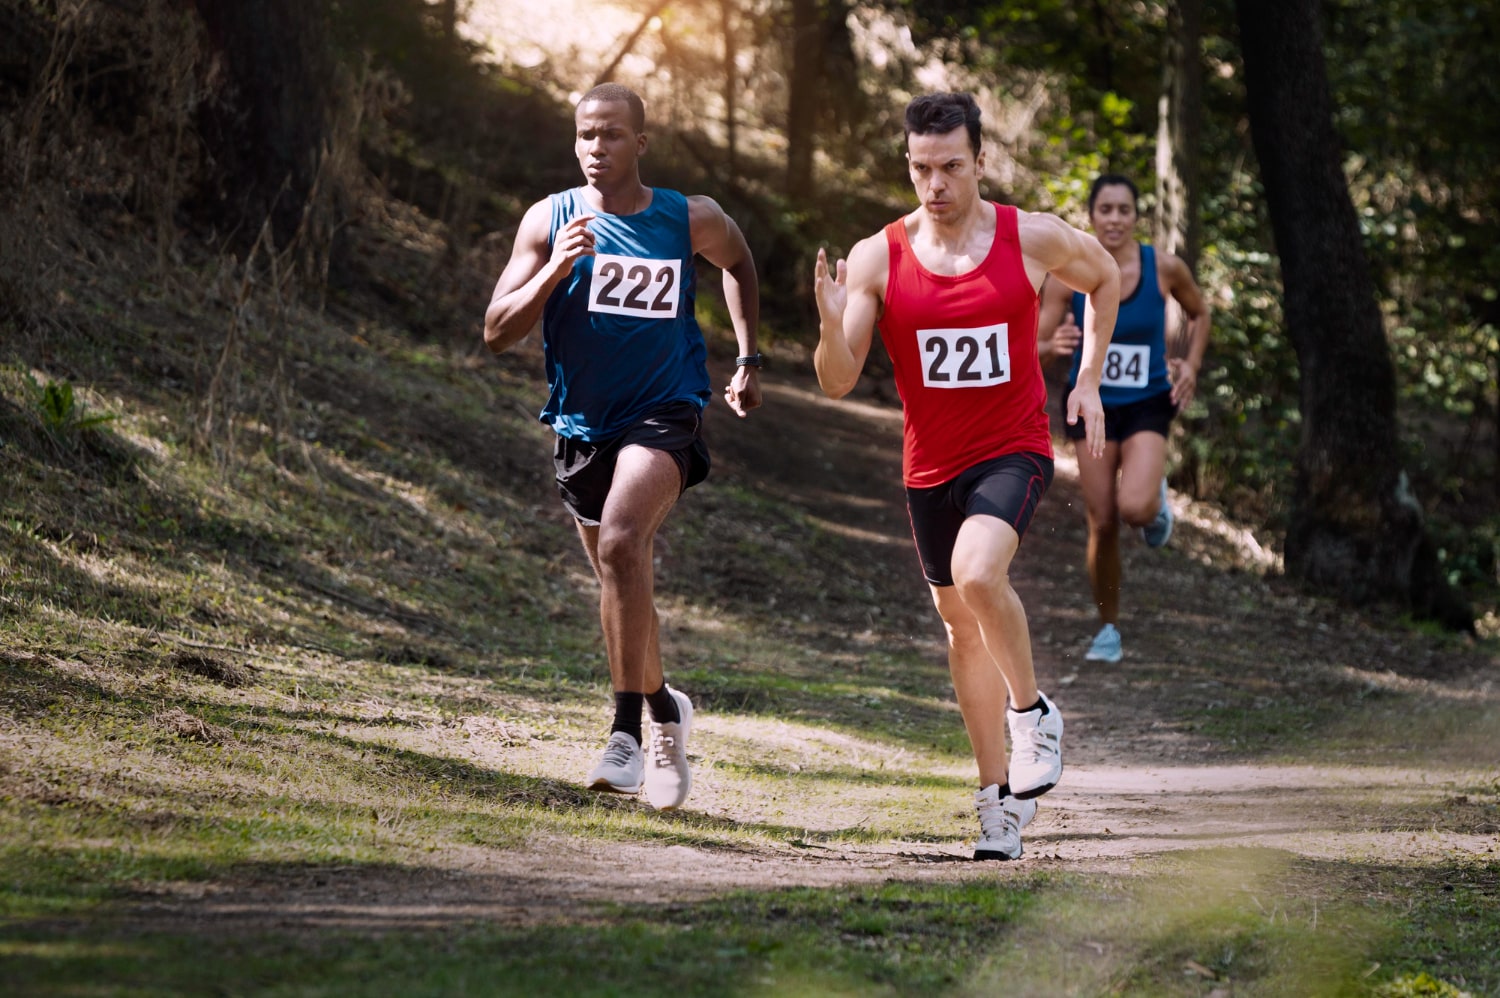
{"x": 1204, "y": 631}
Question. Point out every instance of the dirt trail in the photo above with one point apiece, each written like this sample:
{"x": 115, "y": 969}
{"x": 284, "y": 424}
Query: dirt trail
{"x": 1200, "y": 629}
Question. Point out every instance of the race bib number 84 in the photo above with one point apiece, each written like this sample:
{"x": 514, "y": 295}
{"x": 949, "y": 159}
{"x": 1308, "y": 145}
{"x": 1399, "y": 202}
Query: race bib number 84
{"x": 628, "y": 285}
{"x": 965, "y": 358}
{"x": 1126, "y": 366}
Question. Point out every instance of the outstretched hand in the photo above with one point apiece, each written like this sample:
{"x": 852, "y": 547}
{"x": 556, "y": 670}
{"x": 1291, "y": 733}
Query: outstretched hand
{"x": 831, "y": 290}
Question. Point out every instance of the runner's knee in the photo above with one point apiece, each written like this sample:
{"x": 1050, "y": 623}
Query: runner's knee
{"x": 622, "y": 547}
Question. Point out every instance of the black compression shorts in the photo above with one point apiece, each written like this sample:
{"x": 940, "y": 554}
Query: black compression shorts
{"x": 1007, "y": 487}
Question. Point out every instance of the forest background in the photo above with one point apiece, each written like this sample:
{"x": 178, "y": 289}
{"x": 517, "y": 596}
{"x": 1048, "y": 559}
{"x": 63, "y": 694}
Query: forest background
{"x": 298, "y": 650}
{"x": 788, "y": 112}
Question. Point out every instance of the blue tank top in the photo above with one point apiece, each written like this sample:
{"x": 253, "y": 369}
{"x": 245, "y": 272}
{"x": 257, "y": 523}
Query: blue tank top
{"x": 619, "y": 336}
{"x": 1136, "y": 366}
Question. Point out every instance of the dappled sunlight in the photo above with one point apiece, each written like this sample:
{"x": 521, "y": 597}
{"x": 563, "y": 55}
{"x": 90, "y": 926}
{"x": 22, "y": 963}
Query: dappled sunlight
{"x": 858, "y": 533}
{"x": 1389, "y": 681}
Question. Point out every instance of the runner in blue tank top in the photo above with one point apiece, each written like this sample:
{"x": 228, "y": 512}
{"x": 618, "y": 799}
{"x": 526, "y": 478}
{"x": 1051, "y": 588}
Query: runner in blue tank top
{"x": 1141, "y": 388}
{"x": 608, "y": 270}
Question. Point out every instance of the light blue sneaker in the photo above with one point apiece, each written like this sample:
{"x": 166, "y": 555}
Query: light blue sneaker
{"x": 1159, "y": 531}
{"x": 1106, "y": 646}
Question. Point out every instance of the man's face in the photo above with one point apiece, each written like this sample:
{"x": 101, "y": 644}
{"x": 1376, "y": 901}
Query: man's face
{"x": 1113, "y": 216}
{"x": 945, "y": 172}
{"x": 605, "y": 142}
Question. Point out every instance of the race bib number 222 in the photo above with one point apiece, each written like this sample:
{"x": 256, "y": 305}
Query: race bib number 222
{"x": 628, "y": 285}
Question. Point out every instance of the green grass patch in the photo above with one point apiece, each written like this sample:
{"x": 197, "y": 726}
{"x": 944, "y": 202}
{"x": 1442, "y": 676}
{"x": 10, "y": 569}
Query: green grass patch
{"x": 1235, "y": 922}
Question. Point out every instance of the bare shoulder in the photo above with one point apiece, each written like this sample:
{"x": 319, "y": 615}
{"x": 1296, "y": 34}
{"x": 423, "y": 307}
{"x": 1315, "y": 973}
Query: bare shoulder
{"x": 536, "y": 224}
{"x": 1042, "y": 232}
{"x": 701, "y": 207}
{"x": 1172, "y": 271}
{"x": 1169, "y": 264}
{"x": 869, "y": 262}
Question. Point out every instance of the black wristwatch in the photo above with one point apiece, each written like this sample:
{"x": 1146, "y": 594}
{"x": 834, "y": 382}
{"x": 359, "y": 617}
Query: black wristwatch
{"x": 754, "y": 360}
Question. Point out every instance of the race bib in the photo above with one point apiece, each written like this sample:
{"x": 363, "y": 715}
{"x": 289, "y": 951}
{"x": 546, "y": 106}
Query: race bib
{"x": 965, "y": 358}
{"x": 628, "y": 285}
{"x": 1127, "y": 366}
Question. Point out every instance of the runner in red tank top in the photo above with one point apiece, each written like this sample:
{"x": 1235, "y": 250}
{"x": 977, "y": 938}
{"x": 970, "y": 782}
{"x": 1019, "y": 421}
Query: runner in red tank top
{"x": 953, "y": 289}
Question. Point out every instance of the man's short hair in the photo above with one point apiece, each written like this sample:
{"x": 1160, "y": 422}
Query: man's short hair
{"x": 1113, "y": 180}
{"x": 615, "y": 93}
{"x": 938, "y": 114}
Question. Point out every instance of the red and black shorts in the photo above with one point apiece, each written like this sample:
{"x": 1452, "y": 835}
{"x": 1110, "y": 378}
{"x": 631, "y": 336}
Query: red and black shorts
{"x": 1008, "y": 487}
{"x": 585, "y": 469}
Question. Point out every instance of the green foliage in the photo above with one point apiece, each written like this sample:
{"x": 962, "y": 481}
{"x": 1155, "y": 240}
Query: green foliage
{"x": 1422, "y": 985}
{"x": 62, "y": 415}
{"x": 1408, "y": 79}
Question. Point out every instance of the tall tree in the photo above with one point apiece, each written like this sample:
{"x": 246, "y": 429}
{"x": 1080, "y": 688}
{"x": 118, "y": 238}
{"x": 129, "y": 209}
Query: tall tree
{"x": 819, "y": 84}
{"x": 268, "y": 129}
{"x": 1179, "y": 125}
{"x": 802, "y": 98}
{"x": 1356, "y": 529}
{"x": 731, "y": 83}
{"x": 1178, "y": 128}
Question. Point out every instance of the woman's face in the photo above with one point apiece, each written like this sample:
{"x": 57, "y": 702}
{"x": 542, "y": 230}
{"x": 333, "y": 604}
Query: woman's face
{"x": 1113, "y": 216}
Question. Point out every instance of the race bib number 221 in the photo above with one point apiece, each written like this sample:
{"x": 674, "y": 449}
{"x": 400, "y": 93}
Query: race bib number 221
{"x": 965, "y": 358}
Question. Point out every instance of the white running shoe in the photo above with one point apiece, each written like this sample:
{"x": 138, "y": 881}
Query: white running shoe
{"x": 668, "y": 778}
{"x": 1000, "y": 822}
{"x": 1035, "y": 749}
{"x": 619, "y": 771}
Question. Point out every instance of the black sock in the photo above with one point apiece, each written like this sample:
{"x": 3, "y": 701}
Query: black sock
{"x": 628, "y": 714}
{"x": 663, "y": 706}
{"x": 1039, "y": 703}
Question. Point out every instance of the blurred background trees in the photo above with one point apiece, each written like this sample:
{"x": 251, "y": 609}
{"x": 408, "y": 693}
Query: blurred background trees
{"x": 302, "y": 121}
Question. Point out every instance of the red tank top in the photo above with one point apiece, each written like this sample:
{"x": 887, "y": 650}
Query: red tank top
{"x": 964, "y": 352}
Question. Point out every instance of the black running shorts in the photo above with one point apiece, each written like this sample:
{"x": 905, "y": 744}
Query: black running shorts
{"x": 1149, "y": 415}
{"x": 585, "y": 469}
{"x": 1007, "y": 487}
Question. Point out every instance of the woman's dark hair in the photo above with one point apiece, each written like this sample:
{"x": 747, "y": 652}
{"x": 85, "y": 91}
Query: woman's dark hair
{"x": 1112, "y": 180}
{"x": 938, "y": 114}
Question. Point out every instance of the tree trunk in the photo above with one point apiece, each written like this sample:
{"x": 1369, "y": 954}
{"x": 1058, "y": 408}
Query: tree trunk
{"x": 802, "y": 97}
{"x": 448, "y": 10}
{"x": 267, "y": 129}
{"x": 1356, "y": 530}
{"x": 731, "y": 83}
{"x": 1179, "y": 125}
{"x": 1178, "y": 128}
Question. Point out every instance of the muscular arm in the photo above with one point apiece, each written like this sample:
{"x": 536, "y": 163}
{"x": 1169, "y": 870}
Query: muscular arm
{"x": 1051, "y": 246}
{"x": 719, "y": 240}
{"x": 849, "y": 303}
{"x": 1077, "y": 261}
{"x": 531, "y": 275}
{"x": 1178, "y": 281}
